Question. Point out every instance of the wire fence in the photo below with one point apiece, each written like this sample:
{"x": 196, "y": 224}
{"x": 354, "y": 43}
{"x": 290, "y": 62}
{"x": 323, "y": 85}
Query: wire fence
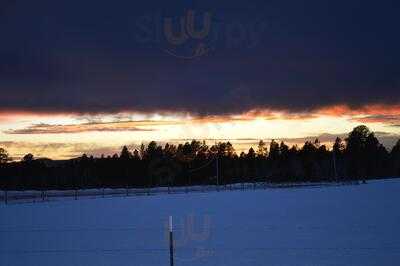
{"x": 214, "y": 251}
{"x": 36, "y": 196}
{"x": 233, "y": 249}
{"x": 230, "y": 228}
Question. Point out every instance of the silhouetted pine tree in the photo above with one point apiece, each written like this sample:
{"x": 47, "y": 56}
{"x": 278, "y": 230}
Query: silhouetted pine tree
{"x": 362, "y": 157}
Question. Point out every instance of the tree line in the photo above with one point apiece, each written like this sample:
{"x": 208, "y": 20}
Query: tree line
{"x": 358, "y": 157}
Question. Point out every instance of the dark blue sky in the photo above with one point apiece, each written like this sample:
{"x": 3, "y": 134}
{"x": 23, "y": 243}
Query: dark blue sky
{"x": 108, "y": 56}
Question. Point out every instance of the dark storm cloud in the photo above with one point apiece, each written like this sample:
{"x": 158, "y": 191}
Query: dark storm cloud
{"x": 99, "y": 56}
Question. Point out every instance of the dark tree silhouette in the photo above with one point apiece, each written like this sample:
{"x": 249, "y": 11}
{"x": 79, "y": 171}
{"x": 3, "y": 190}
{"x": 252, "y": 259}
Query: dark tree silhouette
{"x": 355, "y": 151}
{"x": 28, "y": 157}
{"x": 125, "y": 154}
{"x": 262, "y": 151}
{"x": 194, "y": 163}
{"x": 4, "y": 158}
{"x": 395, "y": 159}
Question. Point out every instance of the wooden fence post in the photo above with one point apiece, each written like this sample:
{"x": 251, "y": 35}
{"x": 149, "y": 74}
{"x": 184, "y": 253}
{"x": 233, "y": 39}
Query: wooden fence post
{"x": 171, "y": 243}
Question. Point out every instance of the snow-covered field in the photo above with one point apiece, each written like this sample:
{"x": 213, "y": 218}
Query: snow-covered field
{"x": 343, "y": 225}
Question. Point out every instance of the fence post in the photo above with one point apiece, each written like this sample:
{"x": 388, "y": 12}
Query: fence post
{"x": 171, "y": 243}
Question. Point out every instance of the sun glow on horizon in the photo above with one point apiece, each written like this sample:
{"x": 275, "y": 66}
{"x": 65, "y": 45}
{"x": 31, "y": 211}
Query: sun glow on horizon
{"x": 62, "y": 136}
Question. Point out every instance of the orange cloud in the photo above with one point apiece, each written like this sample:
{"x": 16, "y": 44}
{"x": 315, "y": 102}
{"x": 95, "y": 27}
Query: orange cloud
{"x": 143, "y": 125}
{"x": 387, "y": 114}
{"x": 374, "y": 109}
{"x": 376, "y": 113}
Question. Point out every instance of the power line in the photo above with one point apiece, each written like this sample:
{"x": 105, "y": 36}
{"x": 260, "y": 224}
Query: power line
{"x": 178, "y": 228}
{"x": 203, "y": 166}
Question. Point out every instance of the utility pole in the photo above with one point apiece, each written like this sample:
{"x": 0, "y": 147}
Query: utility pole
{"x": 171, "y": 243}
{"x": 217, "y": 164}
{"x": 334, "y": 164}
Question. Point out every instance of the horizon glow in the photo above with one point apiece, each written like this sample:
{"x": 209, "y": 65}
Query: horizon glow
{"x": 64, "y": 136}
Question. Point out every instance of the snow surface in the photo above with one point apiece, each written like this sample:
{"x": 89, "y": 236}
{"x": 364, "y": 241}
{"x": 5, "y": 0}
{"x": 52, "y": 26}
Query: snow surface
{"x": 343, "y": 225}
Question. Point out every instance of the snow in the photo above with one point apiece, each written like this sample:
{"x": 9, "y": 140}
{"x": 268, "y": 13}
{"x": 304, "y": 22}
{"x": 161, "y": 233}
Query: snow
{"x": 31, "y": 196}
{"x": 323, "y": 225}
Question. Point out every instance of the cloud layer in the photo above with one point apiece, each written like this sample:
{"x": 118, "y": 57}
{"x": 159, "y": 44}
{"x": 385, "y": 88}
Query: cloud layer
{"x": 72, "y": 58}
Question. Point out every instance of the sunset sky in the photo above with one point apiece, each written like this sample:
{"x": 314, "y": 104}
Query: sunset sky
{"x": 90, "y": 76}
